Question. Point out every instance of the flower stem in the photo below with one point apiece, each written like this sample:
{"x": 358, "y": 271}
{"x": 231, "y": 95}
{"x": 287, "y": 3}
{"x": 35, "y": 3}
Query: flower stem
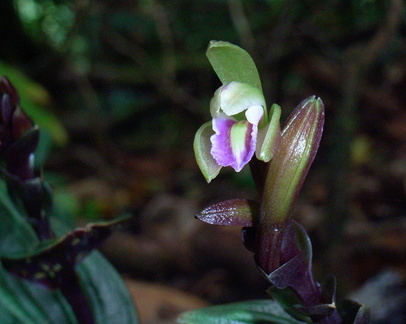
{"x": 268, "y": 247}
{"x": 73, "y": 293}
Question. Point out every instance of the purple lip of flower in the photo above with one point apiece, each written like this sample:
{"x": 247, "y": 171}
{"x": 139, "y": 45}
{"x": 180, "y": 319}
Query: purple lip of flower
{"x": 234, "y": 142}
{"x": 237, "y": 109}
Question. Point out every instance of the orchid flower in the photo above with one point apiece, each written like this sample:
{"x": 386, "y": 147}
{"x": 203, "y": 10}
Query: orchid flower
{"x": 239, "y": 128}
{"x": 236, "y": 109}
{"x": 241, "y": 125}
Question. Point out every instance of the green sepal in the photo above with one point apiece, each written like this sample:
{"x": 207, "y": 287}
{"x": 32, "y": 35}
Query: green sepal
{"x": 232, "y": 63}
{"x": 202, "y": 147}
{"x": 270, "y": 135}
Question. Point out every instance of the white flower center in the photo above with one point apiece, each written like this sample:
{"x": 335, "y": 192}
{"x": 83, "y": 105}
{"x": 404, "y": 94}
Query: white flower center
{"x": 254, "y": 114}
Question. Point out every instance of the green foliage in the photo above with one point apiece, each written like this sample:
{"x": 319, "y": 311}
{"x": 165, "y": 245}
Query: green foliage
{"x": 16, "y": 235}
{"x": 283, "y": 30}
{"x": 202, "y": 145}
{"x": 108, "y": 295}
{"x": 249, "y": 312}
{"x": 49, "y": 18}
{"x": 24, "y": 302}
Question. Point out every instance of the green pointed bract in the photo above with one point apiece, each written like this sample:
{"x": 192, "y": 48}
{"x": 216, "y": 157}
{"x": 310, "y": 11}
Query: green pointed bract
{"x": 269, "y": 136}
{"x": 202, "y": 146}
{"x": 232, "y": 63}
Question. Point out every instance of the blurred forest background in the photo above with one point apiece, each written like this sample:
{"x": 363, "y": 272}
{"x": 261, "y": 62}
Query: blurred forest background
{"x": 119, "y": 87}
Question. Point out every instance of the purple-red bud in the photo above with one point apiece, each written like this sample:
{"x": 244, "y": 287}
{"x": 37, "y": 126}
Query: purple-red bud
{"x": 7, "y": 87}
{"x": 14, "y": 122}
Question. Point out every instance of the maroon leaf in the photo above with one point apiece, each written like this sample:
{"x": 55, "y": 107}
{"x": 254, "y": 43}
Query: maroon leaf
{"x": 236, "y": 212}
{"x": 55, "y": 262}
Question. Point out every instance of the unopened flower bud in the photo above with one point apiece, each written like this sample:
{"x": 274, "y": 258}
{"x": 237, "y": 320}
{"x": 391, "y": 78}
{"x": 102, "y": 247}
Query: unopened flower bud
{"x": 300, "y": 140}
{"x": 14, "y": 123}
{"x": 18, "y": 135}
{"x": 285, "y": 176}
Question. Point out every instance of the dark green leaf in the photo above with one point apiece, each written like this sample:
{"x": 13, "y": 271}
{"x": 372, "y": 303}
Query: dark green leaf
{"x": 16, "y": 235}
{"x": 108, "y": 295}
{"x": 25, "y": 302}
{"x": 321, "y": 310}
{"x": 249, "y": 312}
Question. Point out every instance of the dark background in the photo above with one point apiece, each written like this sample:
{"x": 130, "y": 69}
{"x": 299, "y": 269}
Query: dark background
{"x": 120, "y": 88}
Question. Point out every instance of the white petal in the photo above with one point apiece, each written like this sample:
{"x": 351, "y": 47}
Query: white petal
{"x": 215, "y": 103}
{"x": 254, "y": 114}
{"x": 237, "y": 97}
